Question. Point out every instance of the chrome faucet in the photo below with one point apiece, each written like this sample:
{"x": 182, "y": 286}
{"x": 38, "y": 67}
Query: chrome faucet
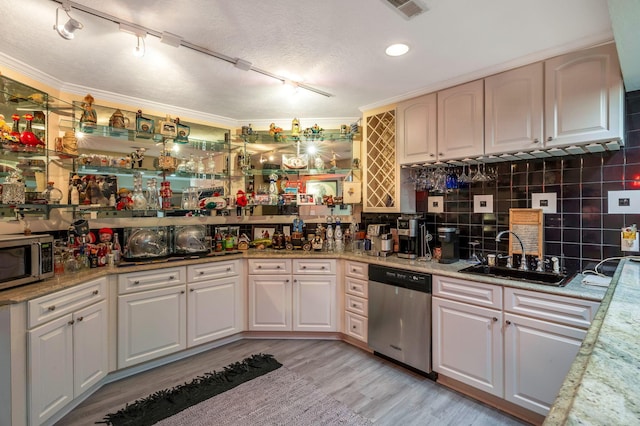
{"x": 523, "y": 261}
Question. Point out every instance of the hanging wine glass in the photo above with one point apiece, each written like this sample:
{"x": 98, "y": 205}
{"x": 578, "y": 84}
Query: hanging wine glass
{"x": 463, "y": 177}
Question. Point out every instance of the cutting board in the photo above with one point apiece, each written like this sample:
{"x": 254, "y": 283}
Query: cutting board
{"x": 527, "y": 223}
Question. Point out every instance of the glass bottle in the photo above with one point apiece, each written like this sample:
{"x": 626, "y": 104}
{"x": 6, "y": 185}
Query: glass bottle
{"x": 116, "y": 249}
{"x": 52, "y": 194}
{"x": 166, "y": 193}
{"x": 27, "y": 137}
{"x": 75, "y": 195}
{"x": 338, "y": 236}
{"x": 138, "y": 198}
{"x": 191, "y": 164}
{"x": 330, "y": 241}
{"x": 152, "y": 194}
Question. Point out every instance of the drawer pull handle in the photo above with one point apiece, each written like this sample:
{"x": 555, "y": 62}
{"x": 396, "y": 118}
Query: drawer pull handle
{"x": 304, "y": 267}
{"x": 354, "y": 288}
{"x": 323, "y": 267}
{"x": 95, "y": 292}
{"x": 353, "y": 270}
{"x": 71, "y": 322}
{"x": 354, "y": 306}
{"x": 136, "y": 282}
{"x": 508, "y": 322}
{"x": 182, "y": 292}
{"x": 295, "y": 281}
{"x": 171, "y": 277}
{"x": 259, "y": 266}
{"x": 278, "y": 267}
{"x": 52, "y": 308}
{"x": 286, "y": 281}
{"x": 201, "y": 272}
{"x": 354, "y": 327}
{"x": 228, "y": 269}
{"x": 80, "y": 318}
{"x": 191, "y": 289}
{"x": 495, "y": 319}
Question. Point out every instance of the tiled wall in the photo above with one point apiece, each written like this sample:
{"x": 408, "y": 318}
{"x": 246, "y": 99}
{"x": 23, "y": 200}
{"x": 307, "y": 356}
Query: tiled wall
{"x": 581, "y": 233}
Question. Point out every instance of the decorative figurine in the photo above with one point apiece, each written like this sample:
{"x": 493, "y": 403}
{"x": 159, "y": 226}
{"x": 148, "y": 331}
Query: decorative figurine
{"x": 295, "y": 127}
{"x": 125, "y": 202}
{"x": 276, "y": 132}
{"x": 27, "y": 137}
{"x": 89, "y": 117}
{"x": 241, "y": 201}
{"x": 298, "y": 224}
{"x": 144, "y": 126}
{"x": 183, "y": 132}
{"x": 137, "y": 156}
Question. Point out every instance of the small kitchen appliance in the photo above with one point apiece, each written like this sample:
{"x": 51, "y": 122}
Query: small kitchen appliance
{"x": 25, "y": 259}
{"x": 409, "y": 238}
{"x": 450, "y": 244}
{"x": 381, "y": 240}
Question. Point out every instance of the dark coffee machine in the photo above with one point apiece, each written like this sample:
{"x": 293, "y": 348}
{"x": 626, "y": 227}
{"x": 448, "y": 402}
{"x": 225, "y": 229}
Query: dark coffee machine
{"x": 409, "y": 238}
{"x": 450, "y": 244}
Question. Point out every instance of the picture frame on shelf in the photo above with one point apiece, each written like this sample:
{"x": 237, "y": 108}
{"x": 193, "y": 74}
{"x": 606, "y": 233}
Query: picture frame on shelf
{"x": 263, "y": 232}
{"x": 305, "y": 199}
{"x": 321, "y": 188}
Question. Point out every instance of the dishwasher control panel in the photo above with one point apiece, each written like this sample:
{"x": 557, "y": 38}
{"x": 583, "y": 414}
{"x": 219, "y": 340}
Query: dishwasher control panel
{"x": 400, "y": 278}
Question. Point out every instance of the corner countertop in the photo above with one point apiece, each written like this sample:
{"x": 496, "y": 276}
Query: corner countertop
{"x": 574, "y": 288}
{"x": 602, "y": 386}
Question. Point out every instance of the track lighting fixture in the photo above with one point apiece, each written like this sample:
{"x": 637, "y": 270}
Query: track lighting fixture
{"x": 139, "y": 49}
{"x": 66, "y": 31}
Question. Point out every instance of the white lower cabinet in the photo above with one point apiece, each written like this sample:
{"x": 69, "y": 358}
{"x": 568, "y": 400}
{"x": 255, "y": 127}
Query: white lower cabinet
{"x": 519, "y": 349}
{"x": 303, "y": 301}
{"x": 67, "y": 354}
{"x": 468, "y": 344}
{"x": 356, "y": 300}
{"x": 151, "y": 324}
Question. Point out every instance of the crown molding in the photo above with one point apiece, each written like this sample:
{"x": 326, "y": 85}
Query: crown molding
{"x": 541, "y": 55}
{"x": 30, "y": 72}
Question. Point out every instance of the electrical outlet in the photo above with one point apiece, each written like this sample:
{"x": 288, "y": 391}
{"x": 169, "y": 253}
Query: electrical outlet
{"x": 624, "y": 201}
{"x": 435, "y": 204}
{"x": 483, "y": 203}
{"x": 546, "y": 201}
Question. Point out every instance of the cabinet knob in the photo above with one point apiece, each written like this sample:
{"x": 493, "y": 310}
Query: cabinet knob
{"x": 295, "y": 281}
{"x": 228, "y": 269}
{"x": 508, "y": 322}
{"x": 354, "y": 306}
{"x": 550, "y": 138}
{"x": 354, "y": 327}
{"x": 136, "y": 282}
{"x": 171, "y": 277}
{"x": 95, "y": 292}
{"x": 201, "y": 272}
{"x": 536, "y": 140}
{"x": 304, "y": 267}
{"x": 182, "y": 292}
{"x": 80, "y": 318}
{"x": 495, "y": 319}
{"x": 286, "y": 281}
{"x": 71, "y": 322}
{"x": 441, "y": 154}
{"x": 323, "y": 267}
{"x": 354, "y": 270}
{"x": 259, "y": 266}
{"x": 278, "y": 267}
{"x": 52, "y": 308}
{"x": 191, "y": 289}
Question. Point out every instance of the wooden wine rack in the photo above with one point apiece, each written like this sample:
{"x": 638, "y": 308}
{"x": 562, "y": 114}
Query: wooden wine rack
{"x": 380, "y": 148}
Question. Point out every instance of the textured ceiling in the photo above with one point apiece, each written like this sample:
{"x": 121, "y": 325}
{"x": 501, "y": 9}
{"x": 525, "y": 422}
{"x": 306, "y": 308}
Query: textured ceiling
{"x": 336, "y": 46}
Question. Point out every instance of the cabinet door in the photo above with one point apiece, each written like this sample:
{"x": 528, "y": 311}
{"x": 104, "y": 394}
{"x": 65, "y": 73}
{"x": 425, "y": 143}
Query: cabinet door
{"x": 214, "y": 310}
{"x": 314, "y": 303}
{"x": 151, "y": 324}
{"x": 270, "y": 302}
{"x": 50, "y": 353}
{"x": 467, "y": 344}
{"x": 538, "y": 356}
{"x": 461, "y": 121}
{"x": 416, "y": 130}
{"x": 513, "y": 103}
{"x": 583, "y": 97}
{"x": 90, "y": 349}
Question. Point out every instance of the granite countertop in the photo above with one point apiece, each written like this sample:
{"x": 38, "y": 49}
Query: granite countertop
{"x": 602, "y": 385}
{"x": 574, "y": 288}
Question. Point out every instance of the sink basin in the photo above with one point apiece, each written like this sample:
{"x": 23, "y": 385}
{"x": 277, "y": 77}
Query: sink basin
{"x": 546, "y": 278}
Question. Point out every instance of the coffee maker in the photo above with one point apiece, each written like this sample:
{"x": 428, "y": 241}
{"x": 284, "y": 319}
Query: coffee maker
{"x": 410, "y": 246}
{"x": 450, "y": 244}
{"x": 379, "y": 241}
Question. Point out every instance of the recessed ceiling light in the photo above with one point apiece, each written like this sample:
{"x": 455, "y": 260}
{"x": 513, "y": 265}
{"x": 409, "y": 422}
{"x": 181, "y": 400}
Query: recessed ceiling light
{"x": 397, "y": 49}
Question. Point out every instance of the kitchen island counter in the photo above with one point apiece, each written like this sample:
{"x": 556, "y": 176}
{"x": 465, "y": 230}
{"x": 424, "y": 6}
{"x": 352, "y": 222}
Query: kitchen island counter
{"x": 602, "y": 386}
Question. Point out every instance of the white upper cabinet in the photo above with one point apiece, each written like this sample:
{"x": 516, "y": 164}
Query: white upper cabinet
{"x": 584, "y": 97}
{"x": 416, "y": 130}
{"x": 513, "y": 107}
{"x": 461, "y": 121}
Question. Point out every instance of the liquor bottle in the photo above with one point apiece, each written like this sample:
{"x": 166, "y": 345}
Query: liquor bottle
{"x": 116, "y": 249}
{"x": 52, "y": 194}
{"x": 75, "y": 195}
{"x": 337, "y": 235}
{"x": 27, "y": 137}
{"x": 166, "y": 193}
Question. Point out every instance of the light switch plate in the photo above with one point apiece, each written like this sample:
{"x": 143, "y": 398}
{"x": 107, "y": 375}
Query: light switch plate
{"x": 547, "y": 201}
{"x": 435, "y": 204}
{"x": 624, "y": 202}
{"x": 483, "y": 203}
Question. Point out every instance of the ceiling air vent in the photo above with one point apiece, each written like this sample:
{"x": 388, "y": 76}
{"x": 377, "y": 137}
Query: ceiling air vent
{"x": 406, "y": 8}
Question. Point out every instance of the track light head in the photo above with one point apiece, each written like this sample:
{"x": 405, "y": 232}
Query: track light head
{"x": 67, "y": 30}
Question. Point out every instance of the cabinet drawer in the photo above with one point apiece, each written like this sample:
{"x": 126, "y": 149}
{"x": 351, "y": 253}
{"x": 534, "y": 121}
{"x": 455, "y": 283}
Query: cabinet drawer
{"x": 269, "y": 266}
{"x": 213, "y": 270}
{"x": 481, "y": 294}
{"x": 356, "y": 287}
{"x": 560, "y": 309}
{"x": 357, "y": 270}
{"x": 55, "y": 305}
{"x": 357, "y": 305}
{"x": 314, "y": 266}
{"x": 356, "y": 326}
{"x": 146, "y": 280}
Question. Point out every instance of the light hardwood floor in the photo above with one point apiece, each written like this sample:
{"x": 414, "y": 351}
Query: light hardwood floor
{"x": 377, "y": 389}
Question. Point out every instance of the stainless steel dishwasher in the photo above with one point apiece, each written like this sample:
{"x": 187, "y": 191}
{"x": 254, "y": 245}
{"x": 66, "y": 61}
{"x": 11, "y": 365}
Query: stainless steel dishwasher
{"x": 400, "y": 316}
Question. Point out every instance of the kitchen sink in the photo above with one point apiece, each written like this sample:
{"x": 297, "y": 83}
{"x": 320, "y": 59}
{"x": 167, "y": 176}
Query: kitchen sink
{"x": 545, "y": 278}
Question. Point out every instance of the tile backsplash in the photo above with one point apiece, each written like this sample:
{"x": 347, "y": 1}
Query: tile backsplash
{"x": 581, "y": 232}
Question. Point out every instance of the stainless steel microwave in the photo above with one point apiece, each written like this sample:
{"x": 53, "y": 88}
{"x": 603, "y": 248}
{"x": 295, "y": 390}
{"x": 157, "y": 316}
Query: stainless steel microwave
{"x": 25, "y": 259}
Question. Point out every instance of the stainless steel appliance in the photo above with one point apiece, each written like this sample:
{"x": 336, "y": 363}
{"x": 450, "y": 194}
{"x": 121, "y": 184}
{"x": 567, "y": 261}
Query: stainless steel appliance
{"x": 25, "y": 259}
{"x": 147, "y": 243}
{"x": 400, "y": 316}
{"x": 409, "y": 244}
{"x": 381, "y": 240}
{"x": 449, "y": 242}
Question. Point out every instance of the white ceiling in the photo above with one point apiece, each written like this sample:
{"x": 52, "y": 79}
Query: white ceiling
{"x": 336, "y": 46}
